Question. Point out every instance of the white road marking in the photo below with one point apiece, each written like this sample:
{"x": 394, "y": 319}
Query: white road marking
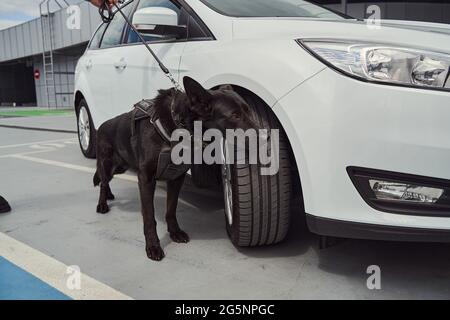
{"x": 37, "y": 142}
{"x": 41, "y": 147}
{"x": 65, "y": 165}
{"x": 70, "y": 166}
{"x": 12, "y": 155}
{"x": 127, "y": 177}
{"x": 55, "y": 163}
{"x": 54, "y": 145}
{"x": 53, "y": 272}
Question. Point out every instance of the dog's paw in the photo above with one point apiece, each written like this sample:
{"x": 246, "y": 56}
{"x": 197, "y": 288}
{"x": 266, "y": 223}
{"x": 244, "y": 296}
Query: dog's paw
{"x": 179, "y": 236}
{"x": 102, "y": 208}
{"x": 155, "y": 253}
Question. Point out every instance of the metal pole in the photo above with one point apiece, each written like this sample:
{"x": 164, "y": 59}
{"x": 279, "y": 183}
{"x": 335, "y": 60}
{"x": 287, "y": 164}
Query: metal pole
{"x": 344, "y": 6}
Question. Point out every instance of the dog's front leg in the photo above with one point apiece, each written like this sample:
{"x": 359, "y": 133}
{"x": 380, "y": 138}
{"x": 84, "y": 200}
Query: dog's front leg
{"x": 173, "y": 192}
{"x": 147, "y": 186}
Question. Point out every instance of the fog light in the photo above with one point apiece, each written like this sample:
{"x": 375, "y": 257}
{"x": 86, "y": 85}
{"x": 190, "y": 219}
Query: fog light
{"x": 385, "y": 190}
{"x": 401, "y": 193}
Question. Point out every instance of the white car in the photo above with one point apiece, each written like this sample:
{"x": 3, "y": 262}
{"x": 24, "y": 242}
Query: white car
{"x": 364, "y": 109}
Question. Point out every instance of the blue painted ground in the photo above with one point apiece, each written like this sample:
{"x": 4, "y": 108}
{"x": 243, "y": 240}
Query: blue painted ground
{"x": 17, "y": 284}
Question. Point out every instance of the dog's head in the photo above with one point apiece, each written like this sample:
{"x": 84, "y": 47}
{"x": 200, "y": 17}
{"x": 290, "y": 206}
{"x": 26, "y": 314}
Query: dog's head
{"x": 219, "y": 109}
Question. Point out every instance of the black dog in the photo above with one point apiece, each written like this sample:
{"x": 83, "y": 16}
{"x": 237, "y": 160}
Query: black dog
{"x": 220, "y": 109}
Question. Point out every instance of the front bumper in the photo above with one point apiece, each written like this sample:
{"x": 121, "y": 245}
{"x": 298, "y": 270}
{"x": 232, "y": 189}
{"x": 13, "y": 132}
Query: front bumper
{"x": 334, "y": 122}
{"x": 355, "y": 230}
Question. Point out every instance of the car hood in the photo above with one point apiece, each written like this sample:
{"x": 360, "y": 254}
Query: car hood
{"x": 413, "y": 34}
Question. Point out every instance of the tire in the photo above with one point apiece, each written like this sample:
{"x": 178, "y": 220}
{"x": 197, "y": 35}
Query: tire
{"x": 86, "y": 130}
{"x": 260, "y": 204}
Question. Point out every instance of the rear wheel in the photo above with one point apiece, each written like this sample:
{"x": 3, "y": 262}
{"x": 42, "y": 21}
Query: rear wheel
{"x": 86, "y": 130}
{"x": 257, "y": 207}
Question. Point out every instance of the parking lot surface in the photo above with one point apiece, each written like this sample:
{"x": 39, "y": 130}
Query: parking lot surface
{"x": 54, "y": 224}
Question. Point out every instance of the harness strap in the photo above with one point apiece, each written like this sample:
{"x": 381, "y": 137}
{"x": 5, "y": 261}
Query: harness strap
{"x": 160, "y": 128}
{"x": 144, "y": 107}
{"x": 166, "y": 170}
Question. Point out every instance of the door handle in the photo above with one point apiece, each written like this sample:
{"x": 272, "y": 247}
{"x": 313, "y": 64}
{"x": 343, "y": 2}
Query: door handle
{"x": 121, "y": 64}
{"x": 88, "y": 64}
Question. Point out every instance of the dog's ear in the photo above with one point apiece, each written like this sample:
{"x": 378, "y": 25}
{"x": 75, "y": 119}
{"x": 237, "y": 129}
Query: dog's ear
{"x": 199, "y": 97}
{"x": 226, "y": 87}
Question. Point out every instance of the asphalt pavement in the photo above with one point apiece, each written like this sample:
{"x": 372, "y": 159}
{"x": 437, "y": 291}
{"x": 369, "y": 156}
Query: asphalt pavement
{"x": 54, "y": 225}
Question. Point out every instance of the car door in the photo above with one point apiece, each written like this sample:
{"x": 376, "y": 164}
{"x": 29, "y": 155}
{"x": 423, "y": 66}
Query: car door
{"x": 94, "y": 65}
{"x": 200, "y": 47}
{"x": 102, "y": 66}
{"x": 137, "y": 70}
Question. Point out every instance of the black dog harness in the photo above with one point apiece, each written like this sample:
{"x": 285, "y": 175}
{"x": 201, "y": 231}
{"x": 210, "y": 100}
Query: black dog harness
{"x": 145, "y": 110}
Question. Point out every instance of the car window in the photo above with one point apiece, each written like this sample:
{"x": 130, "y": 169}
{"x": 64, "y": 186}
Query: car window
{"x": 272, "y": 8}
{"x": 194, "y": 29}
{"x": 113, "y": 34}
{"x": 95, "y": 42}
{"x": 161, "y": 33}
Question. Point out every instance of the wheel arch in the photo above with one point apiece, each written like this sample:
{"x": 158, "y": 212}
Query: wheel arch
{"x": 296, "y": 177}
{"x": 79, "y": 95}
{"x": 77, "y": 99}
{"x": 244, "y": 82}
{"x": 90, "y": 152}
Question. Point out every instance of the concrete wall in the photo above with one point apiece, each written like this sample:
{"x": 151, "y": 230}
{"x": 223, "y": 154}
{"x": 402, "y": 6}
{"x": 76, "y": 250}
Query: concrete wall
{"x": 26, "y": 39}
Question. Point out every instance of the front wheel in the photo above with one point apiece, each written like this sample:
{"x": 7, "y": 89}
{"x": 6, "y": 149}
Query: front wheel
{"x": 86, "y": 131}
{"x": 257, "y": 207}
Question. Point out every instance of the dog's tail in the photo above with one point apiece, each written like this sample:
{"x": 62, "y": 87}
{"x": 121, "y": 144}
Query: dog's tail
{"x": 96, "y": 179}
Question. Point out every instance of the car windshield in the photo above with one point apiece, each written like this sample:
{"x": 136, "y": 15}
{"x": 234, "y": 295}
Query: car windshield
{"x": 272, "y": 8}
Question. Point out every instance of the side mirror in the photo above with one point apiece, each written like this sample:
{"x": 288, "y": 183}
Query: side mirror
{"x": 147, "y": 19}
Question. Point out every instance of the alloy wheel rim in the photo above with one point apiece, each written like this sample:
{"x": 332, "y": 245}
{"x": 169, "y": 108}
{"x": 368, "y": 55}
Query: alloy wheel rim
{"x": 84, "y": 131}
{"x": 227, "y": 185}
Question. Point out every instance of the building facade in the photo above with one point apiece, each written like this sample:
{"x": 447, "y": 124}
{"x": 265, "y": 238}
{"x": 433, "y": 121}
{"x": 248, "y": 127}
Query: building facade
{"x": 23, "y": 77}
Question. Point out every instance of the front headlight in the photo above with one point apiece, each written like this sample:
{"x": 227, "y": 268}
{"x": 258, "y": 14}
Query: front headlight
{"x": 384, "y": 63}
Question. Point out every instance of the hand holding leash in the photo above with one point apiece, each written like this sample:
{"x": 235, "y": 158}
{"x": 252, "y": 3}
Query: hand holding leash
{"x": 98, "y": 3}
{"x": 105, "y": 8}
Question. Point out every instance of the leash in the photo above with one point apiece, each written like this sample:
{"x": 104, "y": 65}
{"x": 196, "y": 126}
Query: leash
{"x": 107, "y": 16}
{"x": 166, "y": 170}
